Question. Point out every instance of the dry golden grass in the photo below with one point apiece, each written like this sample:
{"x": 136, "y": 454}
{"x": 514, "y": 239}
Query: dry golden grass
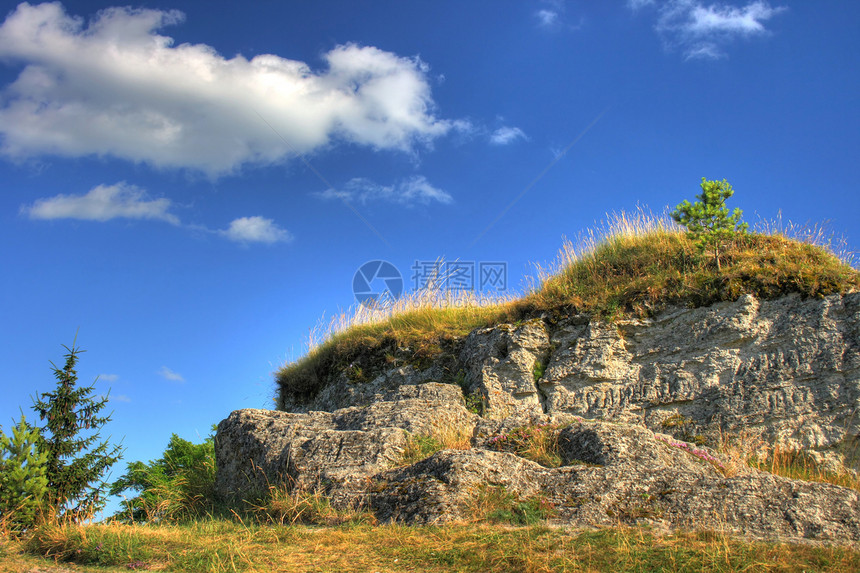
{"x": 748, "y": 450}
{"x": 445, "y": 437}
{"x": 296, "y": 505}
{"x": 221, "y": 546}
{"x": 536, "y": 442}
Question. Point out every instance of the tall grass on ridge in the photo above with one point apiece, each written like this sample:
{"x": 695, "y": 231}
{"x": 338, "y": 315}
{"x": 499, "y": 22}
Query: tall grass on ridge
{"x": 632, "y": 265}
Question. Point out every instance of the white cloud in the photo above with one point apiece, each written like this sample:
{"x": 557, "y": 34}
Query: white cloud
{"x": 103, "y": 203}
{"x": 418, "y": 189}
{"x": 255, "y": 230}
{"x": 169, "y": 374}
{"x": 114, "y": 86}
{"x": 547, "y": 17}
{"x": 108, "y": 377}
{"x": 409, "y": 191}
{"x": 701, "y": 31}
{"x": 120, "y": 398}
{"x": 122, "y": 200}
{"x": 506, "y": 135}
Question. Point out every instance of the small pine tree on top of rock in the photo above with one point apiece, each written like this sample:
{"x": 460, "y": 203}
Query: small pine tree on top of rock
{"x": 708, "y": 221}
{"x": 75, "y": 461}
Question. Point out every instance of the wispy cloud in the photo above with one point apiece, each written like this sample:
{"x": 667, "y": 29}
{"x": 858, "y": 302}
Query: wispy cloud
{"x": 255, "y": 230}
{"x": 552, "y": 16}
{"x": 116, "y": 86}
{"x": 546, "y": 17}
{"x": 169, "y": 374}
{"x": 416, "y": 189}
{"x": 124, "y": 201}
{"x": 108, "y": 377}
{"x": 506, "y": 135}
{"x": 703, "y": 31}
{"x": 120, "y": 398}
{"x": 103, "y": 203}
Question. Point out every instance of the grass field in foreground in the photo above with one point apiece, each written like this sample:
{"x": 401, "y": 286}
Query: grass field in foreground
{"x": 219, "y": 545}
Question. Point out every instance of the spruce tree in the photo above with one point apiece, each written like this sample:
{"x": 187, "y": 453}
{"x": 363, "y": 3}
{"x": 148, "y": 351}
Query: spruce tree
{"x": 23, "y": 485}
{"x": 77, "y": 458}
{"x": 708, "y": 221}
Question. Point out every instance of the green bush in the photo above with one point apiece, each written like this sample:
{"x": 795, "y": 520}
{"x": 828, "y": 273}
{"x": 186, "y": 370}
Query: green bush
{"x": 179, "y": 485}
{"x": 23, "y": 484}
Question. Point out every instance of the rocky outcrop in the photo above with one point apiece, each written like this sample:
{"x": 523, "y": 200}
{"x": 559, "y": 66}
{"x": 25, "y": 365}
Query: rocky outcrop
{"x": 638, "y": 401}
{"x": 787, "y": 369}
{"x": 611, "y": 473}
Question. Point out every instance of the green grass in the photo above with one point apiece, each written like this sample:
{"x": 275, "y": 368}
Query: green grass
{"x": 634, "y": 266}
{"x": 495, "y": 504}
{"x": 535, "y": 442}
{"x": 222, "y": 545}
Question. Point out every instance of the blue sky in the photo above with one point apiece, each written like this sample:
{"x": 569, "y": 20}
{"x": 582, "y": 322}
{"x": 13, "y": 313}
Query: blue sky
{"x": 191, "y": 190}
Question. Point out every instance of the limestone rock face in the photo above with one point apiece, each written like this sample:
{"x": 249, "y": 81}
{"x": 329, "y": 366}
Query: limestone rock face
{"x": 632, "y": 397}
{"x": 788, "y": 369}
{"x": 500, "y": 363}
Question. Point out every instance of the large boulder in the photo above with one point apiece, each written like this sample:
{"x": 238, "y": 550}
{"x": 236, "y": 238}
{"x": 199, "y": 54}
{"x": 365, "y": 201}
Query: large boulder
{"x": 340, "y": 450}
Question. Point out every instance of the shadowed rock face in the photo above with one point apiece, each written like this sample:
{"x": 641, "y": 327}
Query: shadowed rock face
{"x": 785, "y": 370}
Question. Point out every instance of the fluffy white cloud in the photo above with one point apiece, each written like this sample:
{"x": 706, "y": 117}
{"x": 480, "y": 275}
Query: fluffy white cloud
{"x": 413, "y": 190}
{"x": 701, "y": 31}
{"x": 103, "y": 203}
{"x": 255, "y": 230}
{"x": 169, "y": 374}
{"x": 506, "y": 135}
{"x": 114, "y": 86}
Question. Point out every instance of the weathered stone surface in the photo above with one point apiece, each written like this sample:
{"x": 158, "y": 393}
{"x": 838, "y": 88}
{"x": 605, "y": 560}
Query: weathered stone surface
{"x": 784, "y": 371}
{"x": 500, "y": 363}
{"x": 632, "y": 478}
{"x": 789, "y": 368}
{"x": 344, "y": 392}
{"x": 339, "y": 450}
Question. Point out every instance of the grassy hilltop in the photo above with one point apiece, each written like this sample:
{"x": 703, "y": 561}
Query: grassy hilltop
{"x": 634, "y": 266}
